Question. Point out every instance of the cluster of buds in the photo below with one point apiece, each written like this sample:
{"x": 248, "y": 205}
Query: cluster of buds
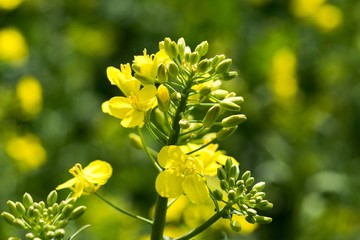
{"x": 42, "y": 221}
{"x": 243, "y": 197}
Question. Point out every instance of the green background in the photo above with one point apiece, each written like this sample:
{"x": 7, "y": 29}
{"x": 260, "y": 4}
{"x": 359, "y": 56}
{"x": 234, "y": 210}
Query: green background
{"x": 304, "y": 145}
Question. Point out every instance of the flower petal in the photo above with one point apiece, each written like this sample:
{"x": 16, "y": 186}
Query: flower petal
{"x": 195, "y": 188}
{"x": 98, "y": 172}
{"x": 134, "y": 119}
{"x": 68, "y": 184}
{"x": 168, "y": 184}
{"x": 119, "y": 107}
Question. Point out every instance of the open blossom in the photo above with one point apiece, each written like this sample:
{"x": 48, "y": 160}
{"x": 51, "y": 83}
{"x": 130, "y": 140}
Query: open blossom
{"x": 89, "y": 179}
{"x": 183, "y": 174}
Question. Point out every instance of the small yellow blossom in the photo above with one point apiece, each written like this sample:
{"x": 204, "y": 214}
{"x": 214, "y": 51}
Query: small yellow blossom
{"x": 328, "y": 17}
{"x": 89, "y": 179}
{"x": 183, "y": 174}
{"x": 29, "y": 93}
{"x": 10, "y": 4}
{"x": 13, "y": 47}
{"x": 123, "y": 79}
{"x": 132, "y": 109}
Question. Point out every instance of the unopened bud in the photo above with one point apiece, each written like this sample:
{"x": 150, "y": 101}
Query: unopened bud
{"x": 251, "y": 212}
{"x": 62, "y": 223}
{"x": 246, "y": 175}
{"x": 52, "y": 198}
{"x": 249, "y": 181}
{"x": 50, "y": 234}
{"x": 219, "y": 93}
{"x": 184, "y": 123}
{"x": 59, "y": 233}
{"x": 211, "y": 116}
{"x": 203, "y": 65}
{"x": 235, "y": 99}
{"x": 13, "y": 209}
{"x": 250, "y": 219}
{"x": 263, "y": 220}
{"x": 181, "y": 47}
{"x": 225, "y": 133}
{"x": 135, "y": 141}
{"x": 27, "y": 200}
{"x": 161, "y": 73}
{"x": 218, "y": 195}
{"x": 264, "y": 205}
{"x": 172, "y": 69}
{"x": 19, "y": 223}
{"x": 233, "y": 120}
{"x": 229, "y": 105}
{"x": 163, "y": 97}
{"x": 175, "y": 96}
{"x": 202, "y": 48}
{"x": 204, "y": 91}
{"x": 227, "y": 76}
{"x": 221, "y": 174}
{"x": 215, "y": 60}
{"x": 67, "y": 210}
{"x": 259, "y": 186}
{"x": 223, "y": 66}
{"x": 30, "y": 236}
{"x": 8, "y": 217}
{"x": 224, "y": 185}
{"x": 20, "y": 208}
{"x": 235, "y": 225}
{"x": 194, "y": 58}
{"x": 77, "y": 212}
{"x": 234, "y": 171}
{"x": 232, "y": 195}
{"x": 171, "y": 48}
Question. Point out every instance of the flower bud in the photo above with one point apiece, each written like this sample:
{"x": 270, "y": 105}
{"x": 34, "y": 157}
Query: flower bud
{"x": 233, "y": 120}
{"x": 172, "y": 69}
{"x": 264, "y": 205}
{"x": 203, "y": 65}
{"x": 62, "y": 223}
{"x": 202, "y": 48}
{"x": 175, "y": 96}
{"x": 235, "y": 99}
{"x": 259, "y": 186}
{"x": 218, "y": 195}
{"x": 234, "y": 172}
{"x": 8, "y": 217}
{"x": 20, "y": 208}
{"x": 232, "y": 195}
{"x": 251, "y": 212}
{"x": 171, "y": 48}
{"x": 226, "y": 76}
{"x": 77, "y": 212}
{"x": 30, "y": 236}
{"x": 223, "y": 66}
{"x": 229, "y": 105}
{"x": 225, "y": 133}
{"x": 161, "y": 45}
{"x": 204, "y": 91}
{"x": 211, "y": 116}
{"x": 27, "y": 200}
{"x": 219, "y": 93}
{"x": 161, "y": 73}
{"x": 215, "y": 60}
{"x": 52, "y": 198}
{"x": 19, "y": 223}
{"x": 59, "y": 233}
{"x": 250, "y": 219}
{"x": 249, "y": 181}
{"x": 13, "y": 209}
{"x": 246, "y": 175}
{"x": 144, "y": 79}
{"x": 50, "y": 234}
{"x": 228, "y": 165}
{"x": 67, "y": 210}
{"x": 163, "y": 98}
{"x": 235, "y": 225}
{"x": 181, "y": 47}
{"x": 224, "y": 185}
{"x": 231, "y": 182}
{"x": 263, "y": 220}
{"x": 194, "y": 58}
{"x": 184, "y": 123}
{"x": 221, "y": 174}
{"x": 135, "y": 141}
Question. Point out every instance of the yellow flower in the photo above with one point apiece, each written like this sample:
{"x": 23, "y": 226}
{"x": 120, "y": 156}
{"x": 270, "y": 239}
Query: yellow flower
{"x": 182, "y": 174}
{"x": 10, "y": 4}
{"x": 123, "y": 79}
{"x": 13, "y": 47}
{"x": 132, "y": 109}
{"x": 29, "y": 93}
{"x": 89, "y": 179}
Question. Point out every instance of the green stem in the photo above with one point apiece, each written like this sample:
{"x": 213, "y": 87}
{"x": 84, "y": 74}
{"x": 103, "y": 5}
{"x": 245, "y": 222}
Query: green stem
{"x": 147, "y": 151}
{"x": 203, "y": 226}
{"x": 124, "y": 211}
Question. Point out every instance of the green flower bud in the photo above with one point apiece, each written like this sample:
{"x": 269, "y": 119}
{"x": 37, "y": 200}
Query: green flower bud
{"x": 235, "y": 99}
{"x": 42, "y": 205}
{"x": 225, "y": 133}
{"x": 211, "y": 116}
{"x": 202, "y": 48}
{"x": 231, "y": 182}
{"x": 224, "y": 185}
{"x": 220, "y": 93}
{"x": 50, "y": 234}
{"x": 263, "y": 220}
{"x": 249, "y": 181}
{"x": 161, "y": 73}
{"x": 8, "y": 217}
{"x": 243, "y": 207}
{"x": 230, "y": 95}
{"x": 13, "y": 208}
{"x": 144, "y": 79}
{"x": 181, "y": 47}
{"x": 62, "y": 223}
{"x": 235, "y": 225}
{"x": 229, "y": 106}
{"x": 19, "y": 223}
{"x": 52, "y": 198}
{"x": 175, "y": 96}
{"x": 226, "y": 76}
{"x": 233, "y": 120}
{"x": 30, "y": 236}
{"x": 250, "y": 219}
{"x": 223, "y": 66}
{"x": 135, "y": 141}
{"x": 77, "y": 212}
{"x": 20, "y": 208}
{"x": 221, "y": 174}
{"x": 204, "y": 91}
{"x": 161, "y": 45}
{"x": 228, "y": 165}
{"x": 59, "y": 233}
{"x": 264, "y": 205}
{"x": 184, "y": 123}
{"x": 240, "y": 189}
{"x": 234, "y": 172}
{"x": 67, "y": 210}
{"x": 218, "y": 195}
{"x": 259, "y": 186}
{"x": 171, "y": 48}
{"x": 163, "y": 97}
{"x": 251, "y": 212}
{"x": 215, "y": 60}
{"x": 27, "y": 200}
{"x": 172, "y": 69}
{"x": 260, "y": 194}
{"x": 232, "y": 195}
{"x": 246, "y": 175}
{"x": 203, "y": 65}
{"x": 194, "y": 58}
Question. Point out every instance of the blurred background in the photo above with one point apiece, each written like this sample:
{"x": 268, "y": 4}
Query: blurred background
{"x": 298, "y": 62}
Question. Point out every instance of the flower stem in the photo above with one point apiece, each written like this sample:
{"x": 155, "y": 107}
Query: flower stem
{"x": 124, "y": 211}
{"x": 203, "y": 226}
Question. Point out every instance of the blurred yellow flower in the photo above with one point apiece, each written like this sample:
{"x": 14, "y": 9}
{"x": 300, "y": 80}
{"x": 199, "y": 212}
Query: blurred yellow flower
{"x": 89, "y": 179}
{"x": 10, "y": 4}
{"x": 27, "y": 151}
{"x": 283, "y": 74}
{"x": 13, "y": 47}
{"x": 182, "y": 174}
{"x": 132, "y": 109}
{"x": 328, "y": 17}
{"x": 29, "y": 93}
{"x": 305, "y": 8}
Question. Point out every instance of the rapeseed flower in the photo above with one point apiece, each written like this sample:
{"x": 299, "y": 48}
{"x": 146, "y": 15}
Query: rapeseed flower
{"x": 89, "y": 179}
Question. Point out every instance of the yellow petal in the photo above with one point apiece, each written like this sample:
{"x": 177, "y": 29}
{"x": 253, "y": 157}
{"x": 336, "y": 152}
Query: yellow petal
{"x": 98, "y": 172}
{"x": 171, "y": 155}
{"x": 195, "y": 188}
{"x": 147, "y": 93}
{"x": 120, "y": 106}
{"x": 135, "y": 119}
{"x": 168, "y": 184}
{"x": 68, "y": 184}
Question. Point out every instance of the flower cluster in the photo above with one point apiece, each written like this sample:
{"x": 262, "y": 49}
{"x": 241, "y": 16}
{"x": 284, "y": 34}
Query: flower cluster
{"x": 42, "y": 220}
